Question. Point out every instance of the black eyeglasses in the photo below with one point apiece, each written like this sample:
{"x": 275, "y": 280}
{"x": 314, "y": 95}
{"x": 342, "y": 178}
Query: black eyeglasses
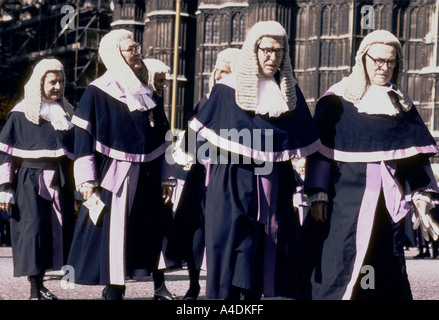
{"x": 134, "y": 49}
{"x": 380, "y": 62}
{"x": 279, "y": 52}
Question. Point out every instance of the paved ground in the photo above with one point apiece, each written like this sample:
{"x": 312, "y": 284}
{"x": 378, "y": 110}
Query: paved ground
{"x": 423, "y": 276}
{"x": 12, "y": 288}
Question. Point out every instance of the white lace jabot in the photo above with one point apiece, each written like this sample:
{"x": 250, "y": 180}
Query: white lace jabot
{"x": 376, "y": 100}
{"x": 270, "y": 99}
{"x": 54, "y": 113}
{"x": 141, "y": 100}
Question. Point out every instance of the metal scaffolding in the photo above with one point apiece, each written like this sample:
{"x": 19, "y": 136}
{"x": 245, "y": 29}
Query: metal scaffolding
{"x": 34, "y": 29}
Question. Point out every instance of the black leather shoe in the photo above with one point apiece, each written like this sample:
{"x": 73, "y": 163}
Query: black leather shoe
{"x": 105, "y": 294}
{"x": 162, "y": 293}
{"x": 45, "y": 294}
{"x": 192, "y": 293}
{"x": 113, "y": 292}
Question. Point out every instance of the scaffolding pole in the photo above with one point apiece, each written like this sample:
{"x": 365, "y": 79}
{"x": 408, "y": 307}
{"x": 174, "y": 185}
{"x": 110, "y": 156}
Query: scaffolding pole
{"x": 175, "y": 66}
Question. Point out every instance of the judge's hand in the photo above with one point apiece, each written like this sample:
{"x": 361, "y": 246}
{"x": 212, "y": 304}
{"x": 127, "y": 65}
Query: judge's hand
{"x": 424, "y": 219}
{"x": 167, "y": 193}
{"x": 86, "y": 192}
{"x": 421, "y": 207}
{"x": 5, "y": 206}
{"x": 319, "y": 211}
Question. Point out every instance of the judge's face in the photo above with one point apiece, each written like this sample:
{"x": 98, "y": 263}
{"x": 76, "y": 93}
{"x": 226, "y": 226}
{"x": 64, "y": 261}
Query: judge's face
{"x": 159, "y": 83}
{"x": 221, "y": 71}
{"x": 270, "y": 53}
{"x": 380, "y": 63}
{"x": 53, "y": 85}
{"x": 131, "y": 52}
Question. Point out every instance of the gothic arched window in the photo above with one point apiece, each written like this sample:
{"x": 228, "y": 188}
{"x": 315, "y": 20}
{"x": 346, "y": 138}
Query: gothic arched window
{"x": 325, "y": 21}
{"x": 302, "y": 25}
{"x": 211, "y": 30}
{"x": 344, "y": 19}
{"x": 238, "y": 28}
{"x": 333, "y": 23}
{"x": 329, "y": 21}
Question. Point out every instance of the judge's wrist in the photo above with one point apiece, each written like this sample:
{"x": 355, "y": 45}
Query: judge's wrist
{"x": 317, "y": 197}
{"x": 424, "y": 196}
{"x": 169, "y": 182}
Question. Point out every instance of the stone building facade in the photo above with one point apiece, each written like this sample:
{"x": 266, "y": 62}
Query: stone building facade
{"x": 324, "y": 36}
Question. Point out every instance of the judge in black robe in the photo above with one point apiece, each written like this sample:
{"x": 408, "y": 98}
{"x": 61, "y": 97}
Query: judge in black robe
{"x": 372, "y": 167}
{"x": 248, "y": 131}
{"x": 187, "y": 239}
{"x": 119, "y": 162}
{"x": 36, "y": 176}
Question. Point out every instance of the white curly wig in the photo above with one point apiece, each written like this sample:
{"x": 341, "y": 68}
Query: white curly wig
{"x": 224, "y": 60}
{"x": 358, "y": 81}
{"x": 33, "y": 90}
{"x": 109, "y": 51}
{"x": 154, "y": 67}
{"x": 247, "y": 69}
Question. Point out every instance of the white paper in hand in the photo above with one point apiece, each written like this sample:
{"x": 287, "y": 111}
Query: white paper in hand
{"x": 95, "y": 207}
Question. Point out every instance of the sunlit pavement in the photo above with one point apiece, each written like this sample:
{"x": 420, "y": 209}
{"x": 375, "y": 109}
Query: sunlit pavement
{"x": 423, "y": 276}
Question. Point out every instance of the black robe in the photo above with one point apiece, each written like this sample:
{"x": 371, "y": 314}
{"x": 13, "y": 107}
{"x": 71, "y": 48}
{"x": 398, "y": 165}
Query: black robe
{"x": 120, "y": 151}
{"x": 369, "y": 166}
{"x": 249, "y": 217}
{"x": 36, "y": 163}
{"x": 186, "y": 240}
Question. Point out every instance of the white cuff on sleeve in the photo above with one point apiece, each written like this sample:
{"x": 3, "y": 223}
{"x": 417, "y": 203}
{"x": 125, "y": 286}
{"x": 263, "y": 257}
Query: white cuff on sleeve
{"x": 7, "y": 197}
{"x": 320, "y": 196}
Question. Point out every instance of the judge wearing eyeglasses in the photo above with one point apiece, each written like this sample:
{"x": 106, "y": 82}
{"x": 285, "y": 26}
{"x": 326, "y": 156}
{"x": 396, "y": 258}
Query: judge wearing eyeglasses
{"x": 249, "y": 216}
{"x": 372, "y": 170}
{"x": 120, "y": 171}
